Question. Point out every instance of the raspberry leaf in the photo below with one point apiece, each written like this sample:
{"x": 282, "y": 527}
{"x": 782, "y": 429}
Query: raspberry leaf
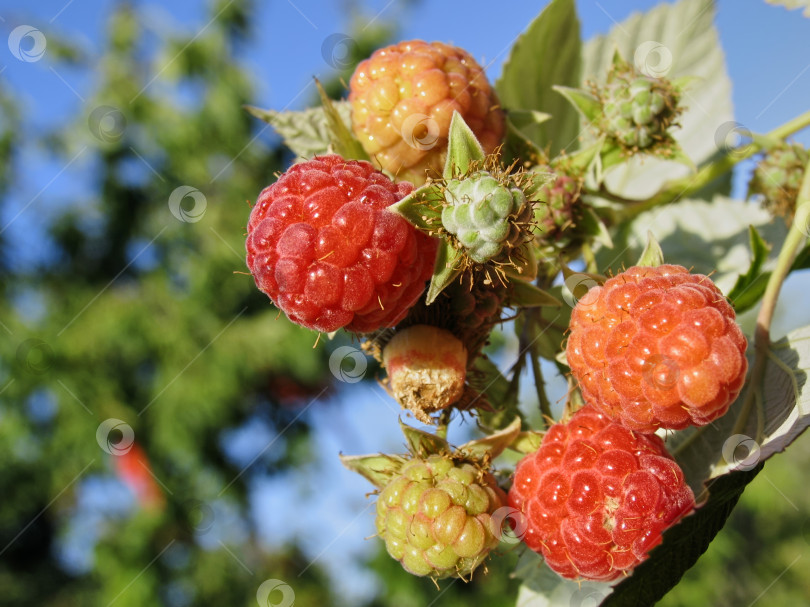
{"x": 423, "y": 443}
{"x": 652, "y": 256}
{"x": 493, "y": 445}
{"x": 585, "y": 103}
{"x": 526, "y": 295}
{"x": 306, "y": 133}
{"x": 343, "y": 141}
{"x": 750, "y": 286}
{"x": 793, "y": 5}
{"x": 422, "y": 207}
{"x": 379, "y": 469}
{"x": 462, "y": 148}
{"x": 529, "y": 74}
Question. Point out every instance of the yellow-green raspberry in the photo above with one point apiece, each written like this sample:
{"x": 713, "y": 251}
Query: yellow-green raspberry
{"x": 435, "y": 516}
{"x": 778, "y": 177}
{"x": 484, "y": 215}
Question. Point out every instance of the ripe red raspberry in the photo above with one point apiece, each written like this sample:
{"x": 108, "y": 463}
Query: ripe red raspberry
{"x": 657, "y": 348}
{"x": 596, "y": 496}
{"x": 403, "y": 98}
{"x": 435, "y": 516}
{"x": 323, "y": 247}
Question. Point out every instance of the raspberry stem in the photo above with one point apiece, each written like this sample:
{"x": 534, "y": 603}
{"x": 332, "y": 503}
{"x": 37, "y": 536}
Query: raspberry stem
{"x": 762, "y": 335}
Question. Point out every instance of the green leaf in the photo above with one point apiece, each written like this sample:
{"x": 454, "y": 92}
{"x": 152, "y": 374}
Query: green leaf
{"x": 546, "y": 54}
{"x": 709, "y": 237}
{"x": 593, "y": 226}
{"x": 673, "y": 40}
{"x": 527, "y": 295}
{"x": 445, "y": 271}
{"x": 750, "y": 286}
{"x": 342, "y": 139}
{"x": 379, "y": 469}
{"x": 585, "y": 103}
{"x": 462, "y": 148}
{"x": 682, "y": 545}
{"x": 710, "y": 451}
{"x": 493, "y": 445}
{"x": 543, "y": 588}
{"x": 423, "y": 443}
{"x": 652, "y": 256}
{"x": 422, "y": 207}
{"x": 306, "y": 133}
{"x": 527, "y": 442}
{"x": 793, "y": 5}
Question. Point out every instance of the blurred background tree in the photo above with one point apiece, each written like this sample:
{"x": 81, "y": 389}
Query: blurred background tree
{"x": 147, "y": 388}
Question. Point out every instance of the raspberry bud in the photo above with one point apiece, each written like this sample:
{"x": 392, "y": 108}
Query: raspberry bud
{"x": 657, "y": 348}
{"x": 486, "y": 216}
{"x": 323, "y": 247}
{"x": 558, "y": 218}
{"x": 596, "y": 496}
{"x": 403, "y": 98}
{"x": 427, "y": 367}
{"x": 637, "y": 110}
{"x": 435, "y": 516}
{"x": 778, "y": 177}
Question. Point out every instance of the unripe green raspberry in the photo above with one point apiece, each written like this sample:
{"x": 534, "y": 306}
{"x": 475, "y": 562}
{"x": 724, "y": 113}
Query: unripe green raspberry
{"x": 435, "y": 516}
{"x": 637, "y": 110}
{"x": 778, "y": 177}
{"x": 561, "y": 212}
{"x": 485, "y": 215}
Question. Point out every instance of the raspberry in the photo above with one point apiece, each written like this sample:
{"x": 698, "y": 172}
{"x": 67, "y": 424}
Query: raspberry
{"x": 778, "y": 177}
{"x": 485, "y": 215}
{"x": 596, "y": 496}
{"x": 657, "y": 348}
{"x": 637, "y": 109}
{"x": 323, "y": 247}
{"x": 560, "y": 217}
{"x": 403, "y": 98}
{"x": 435, "y": 516}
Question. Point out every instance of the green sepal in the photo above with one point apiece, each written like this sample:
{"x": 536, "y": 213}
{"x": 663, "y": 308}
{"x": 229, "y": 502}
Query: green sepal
{"x": 523, "y": 118}
{"x": 538, "y": 180}
{"x": 750, "y": 286}
{"x": 593, "y": 226}
{"x": 379, "y": 469}
{"x": 343, "y": 141}
{"x": 674, "y": 153}
{"x": 422, "y": 208}
{"x": 526, "y": 295}
{"x": 524, "y": 267}
{"x": 684, "y": 82}
{"x": 652, "y": 256}
{"x": 423, "y": 443}
{"x": 462, "y": 148}
{"x": 585, "y": 103}
{"x": 527, "y": 442}
{"x": 491, "y": 446}
{"x": 446, "y": 270}
{"x": 585, "y": 158}
{"x": 619, "y": 64}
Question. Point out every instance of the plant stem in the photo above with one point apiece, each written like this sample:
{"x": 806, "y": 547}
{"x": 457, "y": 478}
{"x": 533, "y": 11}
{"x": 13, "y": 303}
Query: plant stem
{"x": 690, "y": 184}
{"x": 444, "y": 421}
{"x": 762, "y": 335}
{"x": 540, "y": 387}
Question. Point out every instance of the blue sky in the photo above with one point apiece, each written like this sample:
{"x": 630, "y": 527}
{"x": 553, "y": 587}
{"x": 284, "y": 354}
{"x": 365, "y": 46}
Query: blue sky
{"x": 767, "y": 60}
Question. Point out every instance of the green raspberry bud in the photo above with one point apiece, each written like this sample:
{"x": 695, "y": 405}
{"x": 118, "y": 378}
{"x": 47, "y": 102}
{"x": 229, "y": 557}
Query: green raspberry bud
{"x": 435, "y": 516}
{"x": 484, "y": 215}
{"x": 778, "y": 177}
{"x": 637, "y": 110}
